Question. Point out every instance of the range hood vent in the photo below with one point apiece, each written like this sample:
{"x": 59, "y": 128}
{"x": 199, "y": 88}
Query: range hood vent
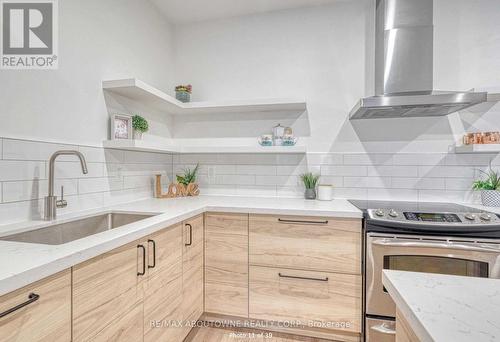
{"x": 404, "y": 66}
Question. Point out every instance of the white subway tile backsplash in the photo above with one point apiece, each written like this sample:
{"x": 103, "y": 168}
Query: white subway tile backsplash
{"x": 23, "y": 177}
{"x": 235, "y": 180}
{"x": 14, "y": 170}
{"x": 459, "y": 184}
{"x": 278, "y": 180}
{"x": 393, "y": 171}
{"x": 469, "y": 159}
{"x": 100, "y": 155}
{"x": 392, "y": 194}
{"x": 418, "y": 183}
{"x": 367, "y": 159}
{"x": 367, "y": 182}
{"x": 357, "y": 170}
{"x": 36, "y": 189}
{"x": 446, "y": 171}
{"x": 138, "y": 182}
{"x": 325, "y": 158}
{"x": 74, "y": 170}
{"x": 117, "y": 176}
{"x": 14, "y": 149}
{"x": 90, "y": 185}
{"x": 256, "y": 169}
{"x": 332, "y": 180}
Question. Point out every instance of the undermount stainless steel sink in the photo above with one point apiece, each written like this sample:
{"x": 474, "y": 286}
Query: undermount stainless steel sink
{"x": 61, "y": 233}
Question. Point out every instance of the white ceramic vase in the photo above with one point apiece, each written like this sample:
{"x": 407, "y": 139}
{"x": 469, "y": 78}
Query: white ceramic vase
{"x": 490, "y": 198}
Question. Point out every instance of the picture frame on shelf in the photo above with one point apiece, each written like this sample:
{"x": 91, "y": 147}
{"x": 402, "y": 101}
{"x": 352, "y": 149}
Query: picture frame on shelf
{"x": 121, "y": 127}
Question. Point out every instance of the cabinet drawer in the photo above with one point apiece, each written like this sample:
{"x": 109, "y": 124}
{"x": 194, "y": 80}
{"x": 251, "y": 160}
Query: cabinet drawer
{"x": 46, "y": 319}
{"x": 329, "y": 300}
{"x": 311, "y": 243}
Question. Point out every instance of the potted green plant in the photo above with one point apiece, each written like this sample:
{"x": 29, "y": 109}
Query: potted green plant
{"x": 183, "y": 93}
{"x": 489, "y": 187}
{"x": 188, "y": 177}
{"x": 140, "y": 126}
{"x": 310, "y": 181}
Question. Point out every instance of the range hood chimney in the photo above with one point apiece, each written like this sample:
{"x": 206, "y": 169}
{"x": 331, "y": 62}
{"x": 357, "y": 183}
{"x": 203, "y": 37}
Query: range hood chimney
{"x": 404, "y": 66}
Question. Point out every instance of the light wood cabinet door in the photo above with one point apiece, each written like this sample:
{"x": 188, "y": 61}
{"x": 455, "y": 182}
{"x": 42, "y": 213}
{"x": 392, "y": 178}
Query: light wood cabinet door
{"x": 404, "y": 333}
{"x": 46, "y": 315}
{"x": 192, "y": 271}
{"x": 226, "y": 264}
{"x": 309, "y": 243}
{"x": 107, "y": 295}
{"x": 163, "y": 289}
{"x": 329, "y": 300}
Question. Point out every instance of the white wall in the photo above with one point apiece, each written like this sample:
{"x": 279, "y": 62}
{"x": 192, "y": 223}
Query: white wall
{"x": 98, "y": 40}
{"x": 325, "y": 55}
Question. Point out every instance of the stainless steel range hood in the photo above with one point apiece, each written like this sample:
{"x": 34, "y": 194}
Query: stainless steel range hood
{"x": 404, "y": 66}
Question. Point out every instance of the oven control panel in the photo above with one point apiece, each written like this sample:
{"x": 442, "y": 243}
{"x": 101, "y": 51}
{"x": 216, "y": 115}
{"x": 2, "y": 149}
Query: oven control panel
{"x": 478, "y": 218}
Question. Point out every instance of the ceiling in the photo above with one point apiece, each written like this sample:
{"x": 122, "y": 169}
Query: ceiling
{"x": 189, "y": 11}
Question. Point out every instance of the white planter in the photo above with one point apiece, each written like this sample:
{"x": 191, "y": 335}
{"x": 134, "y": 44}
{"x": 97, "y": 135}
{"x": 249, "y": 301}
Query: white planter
{"x": 490, "y": 198}
{"x": 137, "y": 135}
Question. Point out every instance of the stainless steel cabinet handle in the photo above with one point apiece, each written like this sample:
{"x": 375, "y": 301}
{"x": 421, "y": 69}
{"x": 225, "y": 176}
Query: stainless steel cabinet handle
{"x": 303, "y": 278}
{"x": 383, "y": 329}
{"x": 143, "y": 260}
{"x": 190, "y": 235}
{"x": 154, "y": 254}
{"x": 32, "y": 297}
{"x": 302, "y": 221}
{"x": 444, "y": 245}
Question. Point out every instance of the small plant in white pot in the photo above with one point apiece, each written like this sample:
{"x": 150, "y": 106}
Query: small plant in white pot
{"x": 310, "y": 182}
{"x": 489, "y": 187}
{"x": 140, "y": 126}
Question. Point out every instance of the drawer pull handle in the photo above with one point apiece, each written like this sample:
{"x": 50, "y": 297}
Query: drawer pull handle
{"x": 143, "y": 260}
{"x": 190, "y": 235}
{"x": 301, "y": 221}
{"x": 304, "y": 278}
{"x": 32, "y": 297}
{"x": 154, "y": 254}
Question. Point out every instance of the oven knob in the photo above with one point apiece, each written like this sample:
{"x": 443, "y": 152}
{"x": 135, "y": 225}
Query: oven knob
{"x": 393, "y": 213}
{"x": 485, "y": 217}
{"x": 470, "y": 217}
{"x": 379, "y": 212}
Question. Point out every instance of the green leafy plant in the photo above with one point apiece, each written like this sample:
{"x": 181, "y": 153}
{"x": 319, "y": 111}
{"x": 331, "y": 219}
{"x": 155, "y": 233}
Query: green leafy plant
{"x": 140, "y": 124}
{"x": 189, "y": 176}
{"x": 310, "y": 180}
{"x": 491, "y": 181}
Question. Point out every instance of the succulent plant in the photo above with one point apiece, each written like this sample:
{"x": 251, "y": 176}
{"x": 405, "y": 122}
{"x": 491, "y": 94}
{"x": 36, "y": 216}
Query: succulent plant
{"x": 188, "y": 177}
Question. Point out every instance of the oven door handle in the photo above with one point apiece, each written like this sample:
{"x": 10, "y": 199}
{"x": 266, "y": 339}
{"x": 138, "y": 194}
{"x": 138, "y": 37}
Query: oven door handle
{"x": 383, "y": 329}
{"x": 444, "y": 245}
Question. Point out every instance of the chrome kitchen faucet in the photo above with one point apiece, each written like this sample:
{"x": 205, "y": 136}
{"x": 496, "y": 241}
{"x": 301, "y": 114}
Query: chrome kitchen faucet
{"x": 51, "y": 201}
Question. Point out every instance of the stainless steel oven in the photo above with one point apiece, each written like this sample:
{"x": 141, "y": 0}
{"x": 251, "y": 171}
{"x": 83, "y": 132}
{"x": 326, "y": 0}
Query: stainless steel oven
{"x": 432, "y": 254}
{"x": 443, "y": 238}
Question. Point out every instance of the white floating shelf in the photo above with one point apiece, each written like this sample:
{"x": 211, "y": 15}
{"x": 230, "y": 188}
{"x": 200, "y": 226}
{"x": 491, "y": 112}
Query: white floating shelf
{"x": 478, "y": 148}
{"x": 139, "y": 145}
{"x": 147, "y": 146}
{"x": 243, "y": 149}
{"x": 137, "y": 90}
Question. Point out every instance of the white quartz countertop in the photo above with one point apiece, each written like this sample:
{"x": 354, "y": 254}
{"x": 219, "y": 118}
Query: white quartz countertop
{"x": 443, "y": 308}
{"x": 24, "y": 263}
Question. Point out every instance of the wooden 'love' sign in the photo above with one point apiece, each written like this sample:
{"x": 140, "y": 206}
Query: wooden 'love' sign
{"x": 176, "y": 189}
